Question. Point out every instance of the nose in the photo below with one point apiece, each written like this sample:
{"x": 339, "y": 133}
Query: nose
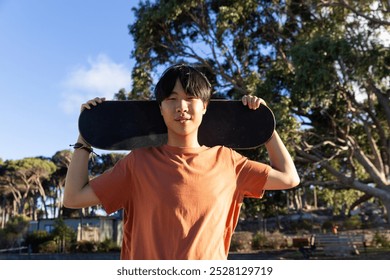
{"x": 182, "y": 106}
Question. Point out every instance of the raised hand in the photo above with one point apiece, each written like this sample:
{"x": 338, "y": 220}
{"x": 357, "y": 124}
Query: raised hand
{"x": 93, "y": 102}
{"x": 253, "y": 102}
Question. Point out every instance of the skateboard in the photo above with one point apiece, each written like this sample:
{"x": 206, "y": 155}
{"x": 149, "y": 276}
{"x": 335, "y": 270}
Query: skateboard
{"x": 128, "y": 125}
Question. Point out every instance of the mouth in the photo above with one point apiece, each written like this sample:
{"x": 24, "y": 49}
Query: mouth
{"x": 182, "y": 119}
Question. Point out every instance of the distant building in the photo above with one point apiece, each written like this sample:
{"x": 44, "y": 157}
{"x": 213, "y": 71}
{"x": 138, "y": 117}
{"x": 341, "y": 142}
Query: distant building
{"x": 96, "y": 228}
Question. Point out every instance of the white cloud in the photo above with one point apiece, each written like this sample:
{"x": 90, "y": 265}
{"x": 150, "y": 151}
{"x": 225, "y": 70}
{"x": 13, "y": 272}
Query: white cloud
{"x": 102, "y": 77}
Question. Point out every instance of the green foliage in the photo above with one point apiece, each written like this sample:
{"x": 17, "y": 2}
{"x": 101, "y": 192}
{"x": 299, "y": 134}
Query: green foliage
{"x": 63, "y": 239}
{"x": 35, "y": 240}
{"x": 381, "y": 240}
{"x": 25, "y": 180}
{"x": 273, "y": 203}
{"x": 353, "y": 222}
{"x": 327, "y": 226}
{"x": 48, "y": 247}
{"x": 17, "y": 225}
{"x": 244, "y": 241}
{"x": 63, "y": 235}
{"x": 85, "y": 247}
{"x": 32, "y": 166}
{"x": 301, "y": 225}
{"x": 315, "y": 74}
{"x": 105, "y": 162}
{"x": 60, "y": 239}
{"x": 13, "y": 232}
{"x": 241, "y": 241}
{"x": 339, "y": 200}
{"x": 108, "y": 245}
{"x": 259, "y": 241}
{"x": 171, "y": 31}
{"x": 275, "y": 240}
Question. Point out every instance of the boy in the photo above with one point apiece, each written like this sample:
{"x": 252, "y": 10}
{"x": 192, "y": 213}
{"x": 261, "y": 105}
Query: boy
{"x": 180, "y": 200}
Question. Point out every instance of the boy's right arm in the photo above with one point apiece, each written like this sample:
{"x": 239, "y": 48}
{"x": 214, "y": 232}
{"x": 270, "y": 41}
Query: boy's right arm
{"x": 78, "y": 193}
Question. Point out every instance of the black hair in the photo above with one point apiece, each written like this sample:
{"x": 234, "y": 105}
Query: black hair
{"x": 193, "y": 81}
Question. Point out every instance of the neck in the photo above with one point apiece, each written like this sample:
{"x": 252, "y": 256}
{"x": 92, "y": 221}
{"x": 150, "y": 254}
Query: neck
{"x": 189, "y": 142}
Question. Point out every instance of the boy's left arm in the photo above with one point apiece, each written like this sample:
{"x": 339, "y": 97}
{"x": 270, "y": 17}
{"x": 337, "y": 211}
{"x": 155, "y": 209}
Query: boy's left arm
{"x": 283, "y": 174}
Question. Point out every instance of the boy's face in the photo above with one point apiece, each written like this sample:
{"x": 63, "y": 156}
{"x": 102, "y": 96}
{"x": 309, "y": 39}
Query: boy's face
{"x": 182, "y": 113}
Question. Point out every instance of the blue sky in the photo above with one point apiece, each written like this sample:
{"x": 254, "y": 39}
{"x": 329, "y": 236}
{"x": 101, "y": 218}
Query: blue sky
{"x": 55, "y": 55}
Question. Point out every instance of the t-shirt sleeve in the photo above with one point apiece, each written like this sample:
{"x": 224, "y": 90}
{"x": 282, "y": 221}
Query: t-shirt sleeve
{"x": 251, "y": 176}
{"x": 113, "y": 187}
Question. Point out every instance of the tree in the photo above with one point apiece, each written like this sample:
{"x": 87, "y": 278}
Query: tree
{"x": 340, "y": 88}
{"x": 24, "y": 180}
{"x": 319, "y": 64}
{"x": 57, "y": 180}
{"x": 13, "y": 232}
{"x": 33, "y": 187}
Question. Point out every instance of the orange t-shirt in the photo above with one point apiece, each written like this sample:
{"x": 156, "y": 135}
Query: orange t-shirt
{"x": 179, "y": 203}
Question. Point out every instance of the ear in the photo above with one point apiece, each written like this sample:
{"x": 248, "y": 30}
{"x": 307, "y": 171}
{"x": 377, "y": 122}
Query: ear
{"x": 205, "y": 104}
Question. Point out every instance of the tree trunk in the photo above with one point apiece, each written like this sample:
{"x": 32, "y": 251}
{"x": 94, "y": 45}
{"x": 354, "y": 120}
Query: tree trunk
{"x": 386, "y": 204}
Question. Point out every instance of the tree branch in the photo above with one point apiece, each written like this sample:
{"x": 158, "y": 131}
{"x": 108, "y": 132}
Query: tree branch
{"x": 382, "y": 99}
{"x": 343, "y": 179}
{"x": 345, "y": 4}
{"x": 370, "y": 168}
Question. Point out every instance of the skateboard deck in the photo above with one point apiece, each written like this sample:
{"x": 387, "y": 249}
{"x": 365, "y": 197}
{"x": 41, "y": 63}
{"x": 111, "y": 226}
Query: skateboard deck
{"x": 128, "y": 125}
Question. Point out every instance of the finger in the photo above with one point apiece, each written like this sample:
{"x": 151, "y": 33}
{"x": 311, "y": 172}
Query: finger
{"x": 85, "y": 106}
{"x": 262, "y": 101}
{"x": 253, "y": 103}
{"x": 93, "y": 102}
{"x": 256, "y": 103}
{"x": 250, "y": 102}
{"x": 99, "y": 100}
{"x": 244, "y": 100}
{"x": 247, "y": 101}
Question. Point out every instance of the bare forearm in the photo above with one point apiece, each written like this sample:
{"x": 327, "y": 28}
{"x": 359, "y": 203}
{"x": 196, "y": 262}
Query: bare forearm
{"x": 76, "y": 178}
{"x": 283, "y": 174}
{"x": 281, "y": 160}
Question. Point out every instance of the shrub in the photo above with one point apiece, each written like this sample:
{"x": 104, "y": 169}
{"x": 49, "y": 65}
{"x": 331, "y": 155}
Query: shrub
{"x": 381, "y": 240}
{"x": 241, "y": 241}
{"x": 276, "y": 240}
{"x": 13, "y": 232}
{"x": 86, "y": 247}
{"x": 63, "y": 235}
{"x": 301, "y": 225}
{"x": 327, "y": 226}
{"x": 37, "y": 238}
{"x": 48, "y": 247}
{"x": 108, "y": 245}
{"x": 259, "y": 241}
{"x": 353, "y": 222}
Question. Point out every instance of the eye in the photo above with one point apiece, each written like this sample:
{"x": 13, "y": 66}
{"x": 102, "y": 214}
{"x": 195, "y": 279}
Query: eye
{"x": 170, "y": 98}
